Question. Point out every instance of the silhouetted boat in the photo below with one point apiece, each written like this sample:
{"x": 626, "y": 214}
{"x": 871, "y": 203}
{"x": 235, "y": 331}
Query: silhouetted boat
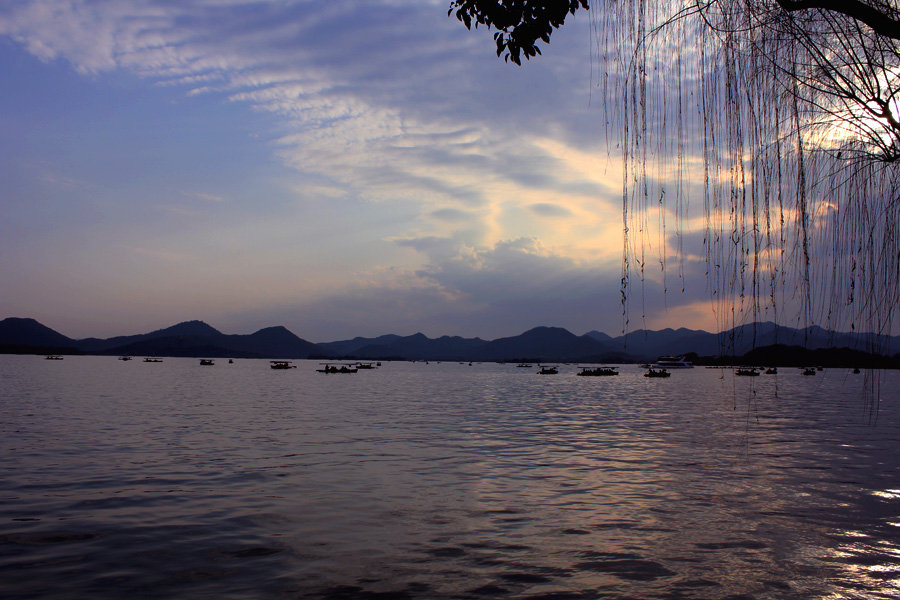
{"x": 772, "y": 371}
{"x": 809, "y": 371}
{"x": 657, "y": 373}
{"x": 153, "y": 360}
{"x": 124, "y": 358}
{"x": 856, "y": 371}
{"x": 335, "y": 369}
{"x": 207, "y": 362}
{"x": 282, "y": 364}
{"x": 598, "y": 372}
{"x": 523, "y": 366}
{"x": 365, "y": 366}
{"x": 53, "y": 357}
{"x": 747, "y": 373}
{"x": 548, "y": 371}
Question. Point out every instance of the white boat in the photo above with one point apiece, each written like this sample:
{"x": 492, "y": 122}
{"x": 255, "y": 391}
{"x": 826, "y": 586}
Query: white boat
{"x": 672, "y": 362}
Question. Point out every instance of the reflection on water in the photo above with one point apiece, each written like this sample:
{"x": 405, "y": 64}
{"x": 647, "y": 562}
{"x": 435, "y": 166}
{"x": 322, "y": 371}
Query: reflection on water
{"x": 441, "y": 481}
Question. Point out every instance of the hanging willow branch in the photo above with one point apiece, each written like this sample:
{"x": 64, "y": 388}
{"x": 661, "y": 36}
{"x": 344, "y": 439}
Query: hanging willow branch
{"x": 782, "y": 116}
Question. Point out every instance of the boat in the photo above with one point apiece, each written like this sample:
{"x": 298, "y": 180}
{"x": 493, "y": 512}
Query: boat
{"x": 772, "y": 371}
{"x": 751, "y": 372}
{"x": 230, "y": 361}
{"x": 672, "y": 362}
{"x": 365, "y": 366}
{"x": 207, "y": 362}
{"x": 329, "y": 368}
{"x": 809, "y": 371}
{"x": 281, "y": 364}
{"x": 856, "y": 371}
{"x": 152, "y": 360}
{"x": 657, "y": 373}
{"x": 53, "y": 357}
{"x": 523, "y": 366}
{"x": 124, "y": 358}
{"x": 548, "y": 371}
{"x": 598, "y": 371}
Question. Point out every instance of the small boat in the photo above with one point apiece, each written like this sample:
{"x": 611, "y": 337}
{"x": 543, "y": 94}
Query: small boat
{"x": 598, "y": 372}
{"x": 772, "y": 371}
{"x": 207, "y": 362}
{"x": 657, "y": 373}
{"x": 523, "y": 366}
{"x": 365, "y": 366}
{"x": 153, "y": 360}
{"x": 751, "y": 372}
{"x": 282, "y": 364}
{"x": 124, "y": 358}
{"x": 230, "y": 361}
{"x": 548, "y": 371}
{"x": 53, "y": 357}
{"x": 672, "y": 362}
{"x": 329, "y": 368}
{"x": 809, "y": 371}
{"x": 856, "y": 371}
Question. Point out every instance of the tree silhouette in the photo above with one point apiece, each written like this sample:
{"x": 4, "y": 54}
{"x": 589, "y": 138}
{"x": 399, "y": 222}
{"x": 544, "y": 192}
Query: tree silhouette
{"x": 782, "y": 115}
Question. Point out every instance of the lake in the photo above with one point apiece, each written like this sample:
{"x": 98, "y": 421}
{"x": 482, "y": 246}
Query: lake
{"x": 419, "y": 480}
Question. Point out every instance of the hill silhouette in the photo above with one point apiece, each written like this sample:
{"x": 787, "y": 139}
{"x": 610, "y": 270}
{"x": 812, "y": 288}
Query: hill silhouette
{"x": 549, "y": 344}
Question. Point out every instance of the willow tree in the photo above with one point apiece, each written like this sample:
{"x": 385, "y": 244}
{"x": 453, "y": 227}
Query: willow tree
{"x": 783, "y": 116}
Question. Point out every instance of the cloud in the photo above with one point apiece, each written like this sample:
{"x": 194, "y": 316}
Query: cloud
{"x": 390, "y": 102}
{"x": 547, "y": 209}
{"x": 489, "y": 291}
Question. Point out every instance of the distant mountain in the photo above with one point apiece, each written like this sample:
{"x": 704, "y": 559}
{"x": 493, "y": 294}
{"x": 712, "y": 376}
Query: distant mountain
{"x": 17, "y": 333}
{"x": 543, "y": 343}
{"x": 273, "y": 342}
{"x": 348, "y": 347}
{"x": 599, "y": 336}
{"x": 194, "y": 329}
{"x": 190, "y": 338}
{"x": 420, "y": 347}
{"x": 646, "y": 344}
{"x": 549, "y": 344}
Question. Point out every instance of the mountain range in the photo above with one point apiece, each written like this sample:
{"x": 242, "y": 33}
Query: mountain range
{"x": 196, "y": 338}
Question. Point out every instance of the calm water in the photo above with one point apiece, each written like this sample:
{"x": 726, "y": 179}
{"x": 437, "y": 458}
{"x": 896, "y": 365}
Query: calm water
{"x": 442, "y": 481}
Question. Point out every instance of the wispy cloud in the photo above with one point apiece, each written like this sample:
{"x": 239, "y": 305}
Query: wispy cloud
{"x": 388, "y": 101}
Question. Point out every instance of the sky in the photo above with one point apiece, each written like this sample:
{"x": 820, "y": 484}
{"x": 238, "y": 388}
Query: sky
{"x": 342, "y": 168}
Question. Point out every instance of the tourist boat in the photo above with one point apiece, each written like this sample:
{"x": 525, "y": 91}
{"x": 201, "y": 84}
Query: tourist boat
{"x": 751, "y": 372}
{"x": 153, "y": 360}
{"x": 772, "y": 371}
{"x": 53, "y": 357}
{"x": 124, "y": 358}
{"x": 548, "y": 371}
{"x": 329, "y": 368}
{"x": 207, "y": 362}
{"x": 598, "y": 372}
{"x": 657, "y": 373}
{"x": 282, "y": 364}
{"x": 672, "y": 362}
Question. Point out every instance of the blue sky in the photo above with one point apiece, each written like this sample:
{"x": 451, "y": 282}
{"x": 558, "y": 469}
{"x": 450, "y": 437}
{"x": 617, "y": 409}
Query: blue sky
{"x": 343, "y": 168}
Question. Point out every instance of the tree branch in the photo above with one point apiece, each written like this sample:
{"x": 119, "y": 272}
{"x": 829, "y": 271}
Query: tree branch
{"x": 879, "y": 21}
